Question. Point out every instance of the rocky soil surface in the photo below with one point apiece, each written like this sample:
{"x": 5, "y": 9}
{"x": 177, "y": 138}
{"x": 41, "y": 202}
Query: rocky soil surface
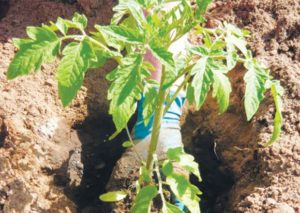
{"x": 57, "y": 160}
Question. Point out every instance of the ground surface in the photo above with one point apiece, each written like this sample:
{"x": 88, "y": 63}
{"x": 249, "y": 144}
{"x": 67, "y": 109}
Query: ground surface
{"x": 56, "y": 160}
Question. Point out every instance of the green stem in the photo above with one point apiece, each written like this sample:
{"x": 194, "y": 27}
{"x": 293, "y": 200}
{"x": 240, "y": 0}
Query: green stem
{"x": 99, "y": 44}
{"x": 75, "y": 37}
{"x": 172, "y": 99}
{"x": 133, "y": 148}
{"x": 81, "y": 37}
{"x": 160, "y": 183}
{"x": 239, "y": 60}
{"x": 157, "y": 122}
{"x": 183, "y": 72}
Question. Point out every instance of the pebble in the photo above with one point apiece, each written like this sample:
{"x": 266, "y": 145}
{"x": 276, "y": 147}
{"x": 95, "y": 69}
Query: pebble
{"x": 79, "y": 165}
{"x": 270, "y": 202}
{"x": 297, "y": 171}
{"x": 49, "y": 82}
{"x": 283, "y": 208}
{"x": 51, "y": 196}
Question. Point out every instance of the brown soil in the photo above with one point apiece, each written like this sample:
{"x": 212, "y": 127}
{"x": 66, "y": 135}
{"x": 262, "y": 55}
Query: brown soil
{"x": 265, "y": 179}
{"x": 56, "y": 160}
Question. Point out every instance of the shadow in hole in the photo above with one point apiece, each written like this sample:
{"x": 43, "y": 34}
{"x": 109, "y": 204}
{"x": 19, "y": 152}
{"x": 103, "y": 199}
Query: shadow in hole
{"x": 98, "y": 157}
{"x": 98, "y": 154}
{"x": 4, "y": 6}
{"x": 3, "y": 131}
{"x": 216, "y": 183}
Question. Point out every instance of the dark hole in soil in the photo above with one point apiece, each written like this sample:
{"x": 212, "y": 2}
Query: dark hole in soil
{"x": 4, "y": 6}
{"x": 3, "y": 132}
{"x": 216, "y": 181}
{"x": 98, "y": 156}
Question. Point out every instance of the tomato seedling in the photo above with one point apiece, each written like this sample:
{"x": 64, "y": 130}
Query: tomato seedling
{"x": 204, "y": 67}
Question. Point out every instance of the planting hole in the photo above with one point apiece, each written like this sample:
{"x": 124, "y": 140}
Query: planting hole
{"x": 4, "y": 6}
{"x": 216, "y": 181}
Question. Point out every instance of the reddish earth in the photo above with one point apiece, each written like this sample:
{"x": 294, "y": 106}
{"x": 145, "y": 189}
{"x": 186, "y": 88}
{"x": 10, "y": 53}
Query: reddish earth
{"x": 56, "y": 160}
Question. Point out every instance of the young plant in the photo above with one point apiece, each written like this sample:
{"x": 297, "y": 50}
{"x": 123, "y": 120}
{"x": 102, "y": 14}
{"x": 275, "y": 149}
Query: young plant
{"x": 126, "y": 40}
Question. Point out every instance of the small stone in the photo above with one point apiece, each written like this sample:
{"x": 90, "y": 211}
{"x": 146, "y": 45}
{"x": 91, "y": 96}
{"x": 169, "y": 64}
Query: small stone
{"x": 79, "y": 165}
{"x": 270, "y": 202}
{"x": 283, "y": 208}
{"x": 24, "y": 164}
{"x": 51, "y": 196}
{"x": 49, "y": 82}
{"x": 297, "y": 171}
{"x": 49, "y": 127}
{"x": 37, "y": 150}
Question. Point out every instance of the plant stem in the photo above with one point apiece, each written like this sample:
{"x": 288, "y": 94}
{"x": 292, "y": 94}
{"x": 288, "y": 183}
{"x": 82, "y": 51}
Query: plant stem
{"x": 157, "y": 122}
{"x": 179, "y": 88}
{"x": 160, "y": 182}
{"x": 99, "y": 44}
{"x": 133, "y": 148}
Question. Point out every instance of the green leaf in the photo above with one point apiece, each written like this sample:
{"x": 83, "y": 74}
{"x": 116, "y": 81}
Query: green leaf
{"x": 177, "y": 22}
{"x": 235, "y": 38}
{"x": 41, "y": 34}
{"x": 201, "y": 82}
{"x": 61, "y": 26}
{"x": 185, "y": 160}
{"x": 231, "y": 29}
{"x": 202, "y": 5}
{"x": 172, "y": 73}
{"x": 121, "y": 113}
{"x": 200, "y": 66}
{"x": 127, "y": 144}
{"x": 255, "y": 79}
{"x": 74, "y": 63}
{"x": 133, "y": 78}
{"x": 113, "y": 196}
{"x": 20, "y": 43}
{"x": 108, "y": 40}
{"x": 161, "y": 53}
{"x": 202, "y": 51}
{"x": 218, "y": 44}
{"x": 72, "y": 68}
{"x": 167, "y": 168}
{"x": 42, "y": 47}
{"x": 277, "y": 92}
{"x": 185, "y": 191}
{"x": 100, "y": 58}
{"x": 129, "y": 7}
{"x": 125, "y": 90}
{"x": 190, "y": 94}
{"x": 143, "y": 199}
{"x": 150, "y": 103}
{"x": 145, "y": 175}
{"x": 221, "y": 89}
{"x": 122, "y": 33}
{"x": 231, "y": 56}
{"x": 80, "y": 19}
{"x": 173, "y": 209}
{"x": 67, "y": 94}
